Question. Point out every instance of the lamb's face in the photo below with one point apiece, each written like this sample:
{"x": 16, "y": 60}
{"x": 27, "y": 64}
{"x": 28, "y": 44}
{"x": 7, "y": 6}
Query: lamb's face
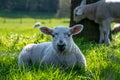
{"x": 78, "y": 14}
{"x": 61, "y": 38}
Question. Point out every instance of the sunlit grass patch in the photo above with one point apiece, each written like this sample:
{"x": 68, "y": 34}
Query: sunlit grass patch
{"x": 103, "y": 62}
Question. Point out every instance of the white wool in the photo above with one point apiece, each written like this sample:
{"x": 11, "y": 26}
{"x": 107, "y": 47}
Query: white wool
{"x": 61, "y": 51}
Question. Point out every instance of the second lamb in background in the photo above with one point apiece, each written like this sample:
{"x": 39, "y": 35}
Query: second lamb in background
{"x": 103, "y": 12}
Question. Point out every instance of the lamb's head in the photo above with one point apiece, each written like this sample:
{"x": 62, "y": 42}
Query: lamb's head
{"x": 78, "y": 13}
{"x": 62, "y": 36}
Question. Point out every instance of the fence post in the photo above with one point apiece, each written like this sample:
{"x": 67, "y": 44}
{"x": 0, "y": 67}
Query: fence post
{"x": 21, "y": 20}
{"x": 4, "y": 20}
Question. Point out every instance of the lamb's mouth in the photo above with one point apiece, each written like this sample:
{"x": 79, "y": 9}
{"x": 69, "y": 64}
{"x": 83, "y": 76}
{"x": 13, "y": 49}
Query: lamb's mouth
{"x": 61, "y": 49}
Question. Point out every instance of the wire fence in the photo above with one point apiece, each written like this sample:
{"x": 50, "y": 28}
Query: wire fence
{"x": 29, "y": 20}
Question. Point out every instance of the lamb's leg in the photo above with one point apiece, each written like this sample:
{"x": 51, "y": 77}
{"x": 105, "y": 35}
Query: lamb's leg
{"x": 101, "y": 40}
{"x": 110, "y": 35}
{"x": 106, "y": 27}
{"x": 107, "y": 32}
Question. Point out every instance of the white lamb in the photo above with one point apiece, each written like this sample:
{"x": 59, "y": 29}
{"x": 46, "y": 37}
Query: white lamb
{"x": 116, "y": 28}
{"x": 102, "y": 12}
{"x": 61, "y": 51}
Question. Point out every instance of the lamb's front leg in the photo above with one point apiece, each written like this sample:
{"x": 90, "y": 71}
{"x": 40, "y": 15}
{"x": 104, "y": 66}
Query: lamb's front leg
{"x": 106, "y": 29}
{"x": 101, "y": 40}
{"x": 107, "y": 32}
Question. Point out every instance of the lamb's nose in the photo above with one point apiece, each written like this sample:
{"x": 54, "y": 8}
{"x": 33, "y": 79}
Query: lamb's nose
{"x": 61, "y": 41}
{"x": 61, "y": 47}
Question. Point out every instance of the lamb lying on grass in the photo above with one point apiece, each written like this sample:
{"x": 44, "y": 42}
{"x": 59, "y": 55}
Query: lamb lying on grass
{"x": 62, "y": 51}
{"x": 116, "y": 28}
{"x": 102, "y": 12}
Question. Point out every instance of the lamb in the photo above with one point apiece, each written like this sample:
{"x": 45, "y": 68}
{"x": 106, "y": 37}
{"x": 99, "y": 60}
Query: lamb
{"x": 62, "y": 51}
{"x": 116, "y": 28}
{"x": 102, "y": 12}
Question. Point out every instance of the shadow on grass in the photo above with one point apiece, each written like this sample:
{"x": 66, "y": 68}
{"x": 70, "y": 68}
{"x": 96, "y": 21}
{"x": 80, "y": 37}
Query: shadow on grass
{"x": 112, "y": 70}
{"x": 85, "y": 44}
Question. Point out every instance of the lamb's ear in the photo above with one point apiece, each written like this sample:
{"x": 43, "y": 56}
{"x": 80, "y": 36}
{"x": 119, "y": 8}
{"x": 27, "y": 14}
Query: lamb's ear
{"x": 46, "y": 30}
{"x": 76, "y": 29}
{"x": 83, "y": 2}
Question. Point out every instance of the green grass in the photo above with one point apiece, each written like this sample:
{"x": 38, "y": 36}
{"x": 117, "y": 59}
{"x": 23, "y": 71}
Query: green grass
{"x": 103, "y": 62}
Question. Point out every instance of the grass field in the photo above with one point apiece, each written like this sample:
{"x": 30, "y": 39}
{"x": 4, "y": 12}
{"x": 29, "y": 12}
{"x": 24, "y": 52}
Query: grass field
{"x": 16, "y": 31}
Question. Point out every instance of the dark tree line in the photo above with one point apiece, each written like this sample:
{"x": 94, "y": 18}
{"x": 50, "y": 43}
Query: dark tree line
{"x": 30, "y": 5}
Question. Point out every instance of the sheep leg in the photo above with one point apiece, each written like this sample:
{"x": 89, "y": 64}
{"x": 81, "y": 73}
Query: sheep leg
{"x": 106, "y": 31}
{"x": 101, "y": 40}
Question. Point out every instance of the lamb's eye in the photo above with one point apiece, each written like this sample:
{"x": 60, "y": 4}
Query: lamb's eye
{"x": 76, "y": 11}
{"x": 67, "y": 35}
{"x": 54, "y": 35}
